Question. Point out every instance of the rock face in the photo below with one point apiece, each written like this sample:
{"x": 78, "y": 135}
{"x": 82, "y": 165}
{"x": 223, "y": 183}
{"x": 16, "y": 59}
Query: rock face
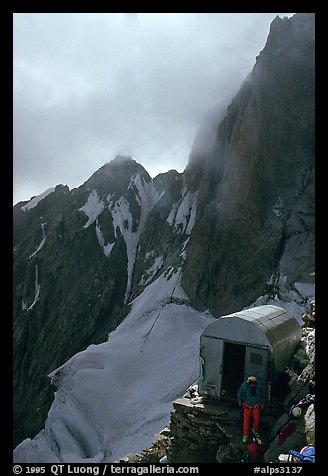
{"x": 256, "y": 189}
{"x": 239, "y": 223}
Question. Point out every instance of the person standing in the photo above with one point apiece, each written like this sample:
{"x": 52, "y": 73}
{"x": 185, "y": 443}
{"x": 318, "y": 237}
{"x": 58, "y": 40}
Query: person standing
{"x": 250, "y": 397}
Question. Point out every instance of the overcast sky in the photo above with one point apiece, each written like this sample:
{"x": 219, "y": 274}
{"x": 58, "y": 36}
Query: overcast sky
{"x": 89, "y": 86}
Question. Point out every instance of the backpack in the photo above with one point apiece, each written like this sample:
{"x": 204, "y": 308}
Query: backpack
{"x": 306, "y": 455}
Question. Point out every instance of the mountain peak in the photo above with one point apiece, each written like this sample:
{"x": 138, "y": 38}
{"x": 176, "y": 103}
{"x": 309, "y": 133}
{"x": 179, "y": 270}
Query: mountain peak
{"x": 123, "y": 158}
{"x": 115, "y": 175}
{"x": 287, "y": 35}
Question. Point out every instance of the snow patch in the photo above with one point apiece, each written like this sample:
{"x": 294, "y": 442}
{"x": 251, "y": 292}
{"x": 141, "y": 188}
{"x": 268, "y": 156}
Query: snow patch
{"x": 106, "y": 248}
{"x": 147, "y": 197}
{"x": 122, "y": 219}
{"x": 33, "y": 203}
{"x": 41, "y": 243}
{"x": 158, "y": 293}
{"x": 92, "y": 208}
{"x": 296, "y": 301}
{"x": 33, "y": 451}
{"x": 305, "y": 289}
{"x": 183, "y": 212}
{"x": 183, "y": 253}
{"x": 152, "y": 270}
{"x": 37, "y": 292}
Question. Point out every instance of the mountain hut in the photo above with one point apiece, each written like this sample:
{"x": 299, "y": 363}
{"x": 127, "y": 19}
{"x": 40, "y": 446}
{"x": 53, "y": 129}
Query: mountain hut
{"x": 259, "y": 341}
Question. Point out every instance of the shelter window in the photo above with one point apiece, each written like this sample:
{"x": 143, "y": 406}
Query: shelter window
{"x": 256, "y": 359}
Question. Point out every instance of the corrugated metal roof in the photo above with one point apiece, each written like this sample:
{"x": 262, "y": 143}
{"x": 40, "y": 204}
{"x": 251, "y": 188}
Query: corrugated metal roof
{"x": 273, "y": 322}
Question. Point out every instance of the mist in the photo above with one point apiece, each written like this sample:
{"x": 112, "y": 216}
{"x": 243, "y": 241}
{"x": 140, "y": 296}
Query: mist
{"x": 90, "y": 86}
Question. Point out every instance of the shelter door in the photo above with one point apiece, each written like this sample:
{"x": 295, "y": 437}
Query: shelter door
{"x": 257, "y": 363}
{"x": 233, "y": 369}
{"x": 211, "y": 351}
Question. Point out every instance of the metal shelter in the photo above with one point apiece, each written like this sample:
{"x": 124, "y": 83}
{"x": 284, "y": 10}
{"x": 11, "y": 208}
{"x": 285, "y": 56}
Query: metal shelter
{"x": 258, "y": 341}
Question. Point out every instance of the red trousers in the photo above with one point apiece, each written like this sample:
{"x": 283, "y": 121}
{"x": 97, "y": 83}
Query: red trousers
{"x": 256, "y": 418}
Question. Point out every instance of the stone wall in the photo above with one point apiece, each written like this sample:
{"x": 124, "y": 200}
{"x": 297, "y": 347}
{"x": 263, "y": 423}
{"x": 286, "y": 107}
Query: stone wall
{"x": 202, "y": 430}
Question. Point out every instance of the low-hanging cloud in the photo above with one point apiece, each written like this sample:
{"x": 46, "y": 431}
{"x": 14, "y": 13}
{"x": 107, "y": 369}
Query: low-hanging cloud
{"x": 90, "y": 86}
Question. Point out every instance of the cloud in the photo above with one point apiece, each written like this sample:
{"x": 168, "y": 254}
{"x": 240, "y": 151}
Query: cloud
{"x": 90, "y": 86}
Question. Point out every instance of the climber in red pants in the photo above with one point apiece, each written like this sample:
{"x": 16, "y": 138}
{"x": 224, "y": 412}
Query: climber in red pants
{"x": 250, "y": 397}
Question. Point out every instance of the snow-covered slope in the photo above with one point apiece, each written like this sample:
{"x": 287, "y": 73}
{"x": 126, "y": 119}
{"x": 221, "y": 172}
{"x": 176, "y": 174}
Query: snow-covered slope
{"x": 114, "y": 397}
{"x": 34, "y": 201}
{"x": 146, "y": 197}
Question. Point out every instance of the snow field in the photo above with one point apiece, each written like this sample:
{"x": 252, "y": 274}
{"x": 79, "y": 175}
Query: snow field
{"x": 114, "y": 397}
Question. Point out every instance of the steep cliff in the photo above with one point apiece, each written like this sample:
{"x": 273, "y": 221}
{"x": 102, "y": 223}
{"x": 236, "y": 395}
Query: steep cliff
{"x": 255, "y": 209}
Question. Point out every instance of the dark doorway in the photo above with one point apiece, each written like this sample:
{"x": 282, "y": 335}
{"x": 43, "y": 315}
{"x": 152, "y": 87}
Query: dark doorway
{"x": 233, "y": 369}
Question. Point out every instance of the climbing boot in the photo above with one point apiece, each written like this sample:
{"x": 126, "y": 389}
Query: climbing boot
{"x": 256, "y": 433}
{"x": 245, "y": 438}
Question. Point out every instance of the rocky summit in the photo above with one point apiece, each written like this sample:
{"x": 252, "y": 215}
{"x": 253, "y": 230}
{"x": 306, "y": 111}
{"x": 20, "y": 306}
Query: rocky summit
{"x": 237, "y": 227}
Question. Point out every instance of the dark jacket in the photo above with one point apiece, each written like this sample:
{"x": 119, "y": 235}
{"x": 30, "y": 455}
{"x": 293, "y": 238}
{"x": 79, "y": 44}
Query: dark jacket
{"x": 244, "y": 394}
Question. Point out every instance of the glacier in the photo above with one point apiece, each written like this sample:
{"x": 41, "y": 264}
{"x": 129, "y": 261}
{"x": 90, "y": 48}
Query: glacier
{"x": 112, "y": 398}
